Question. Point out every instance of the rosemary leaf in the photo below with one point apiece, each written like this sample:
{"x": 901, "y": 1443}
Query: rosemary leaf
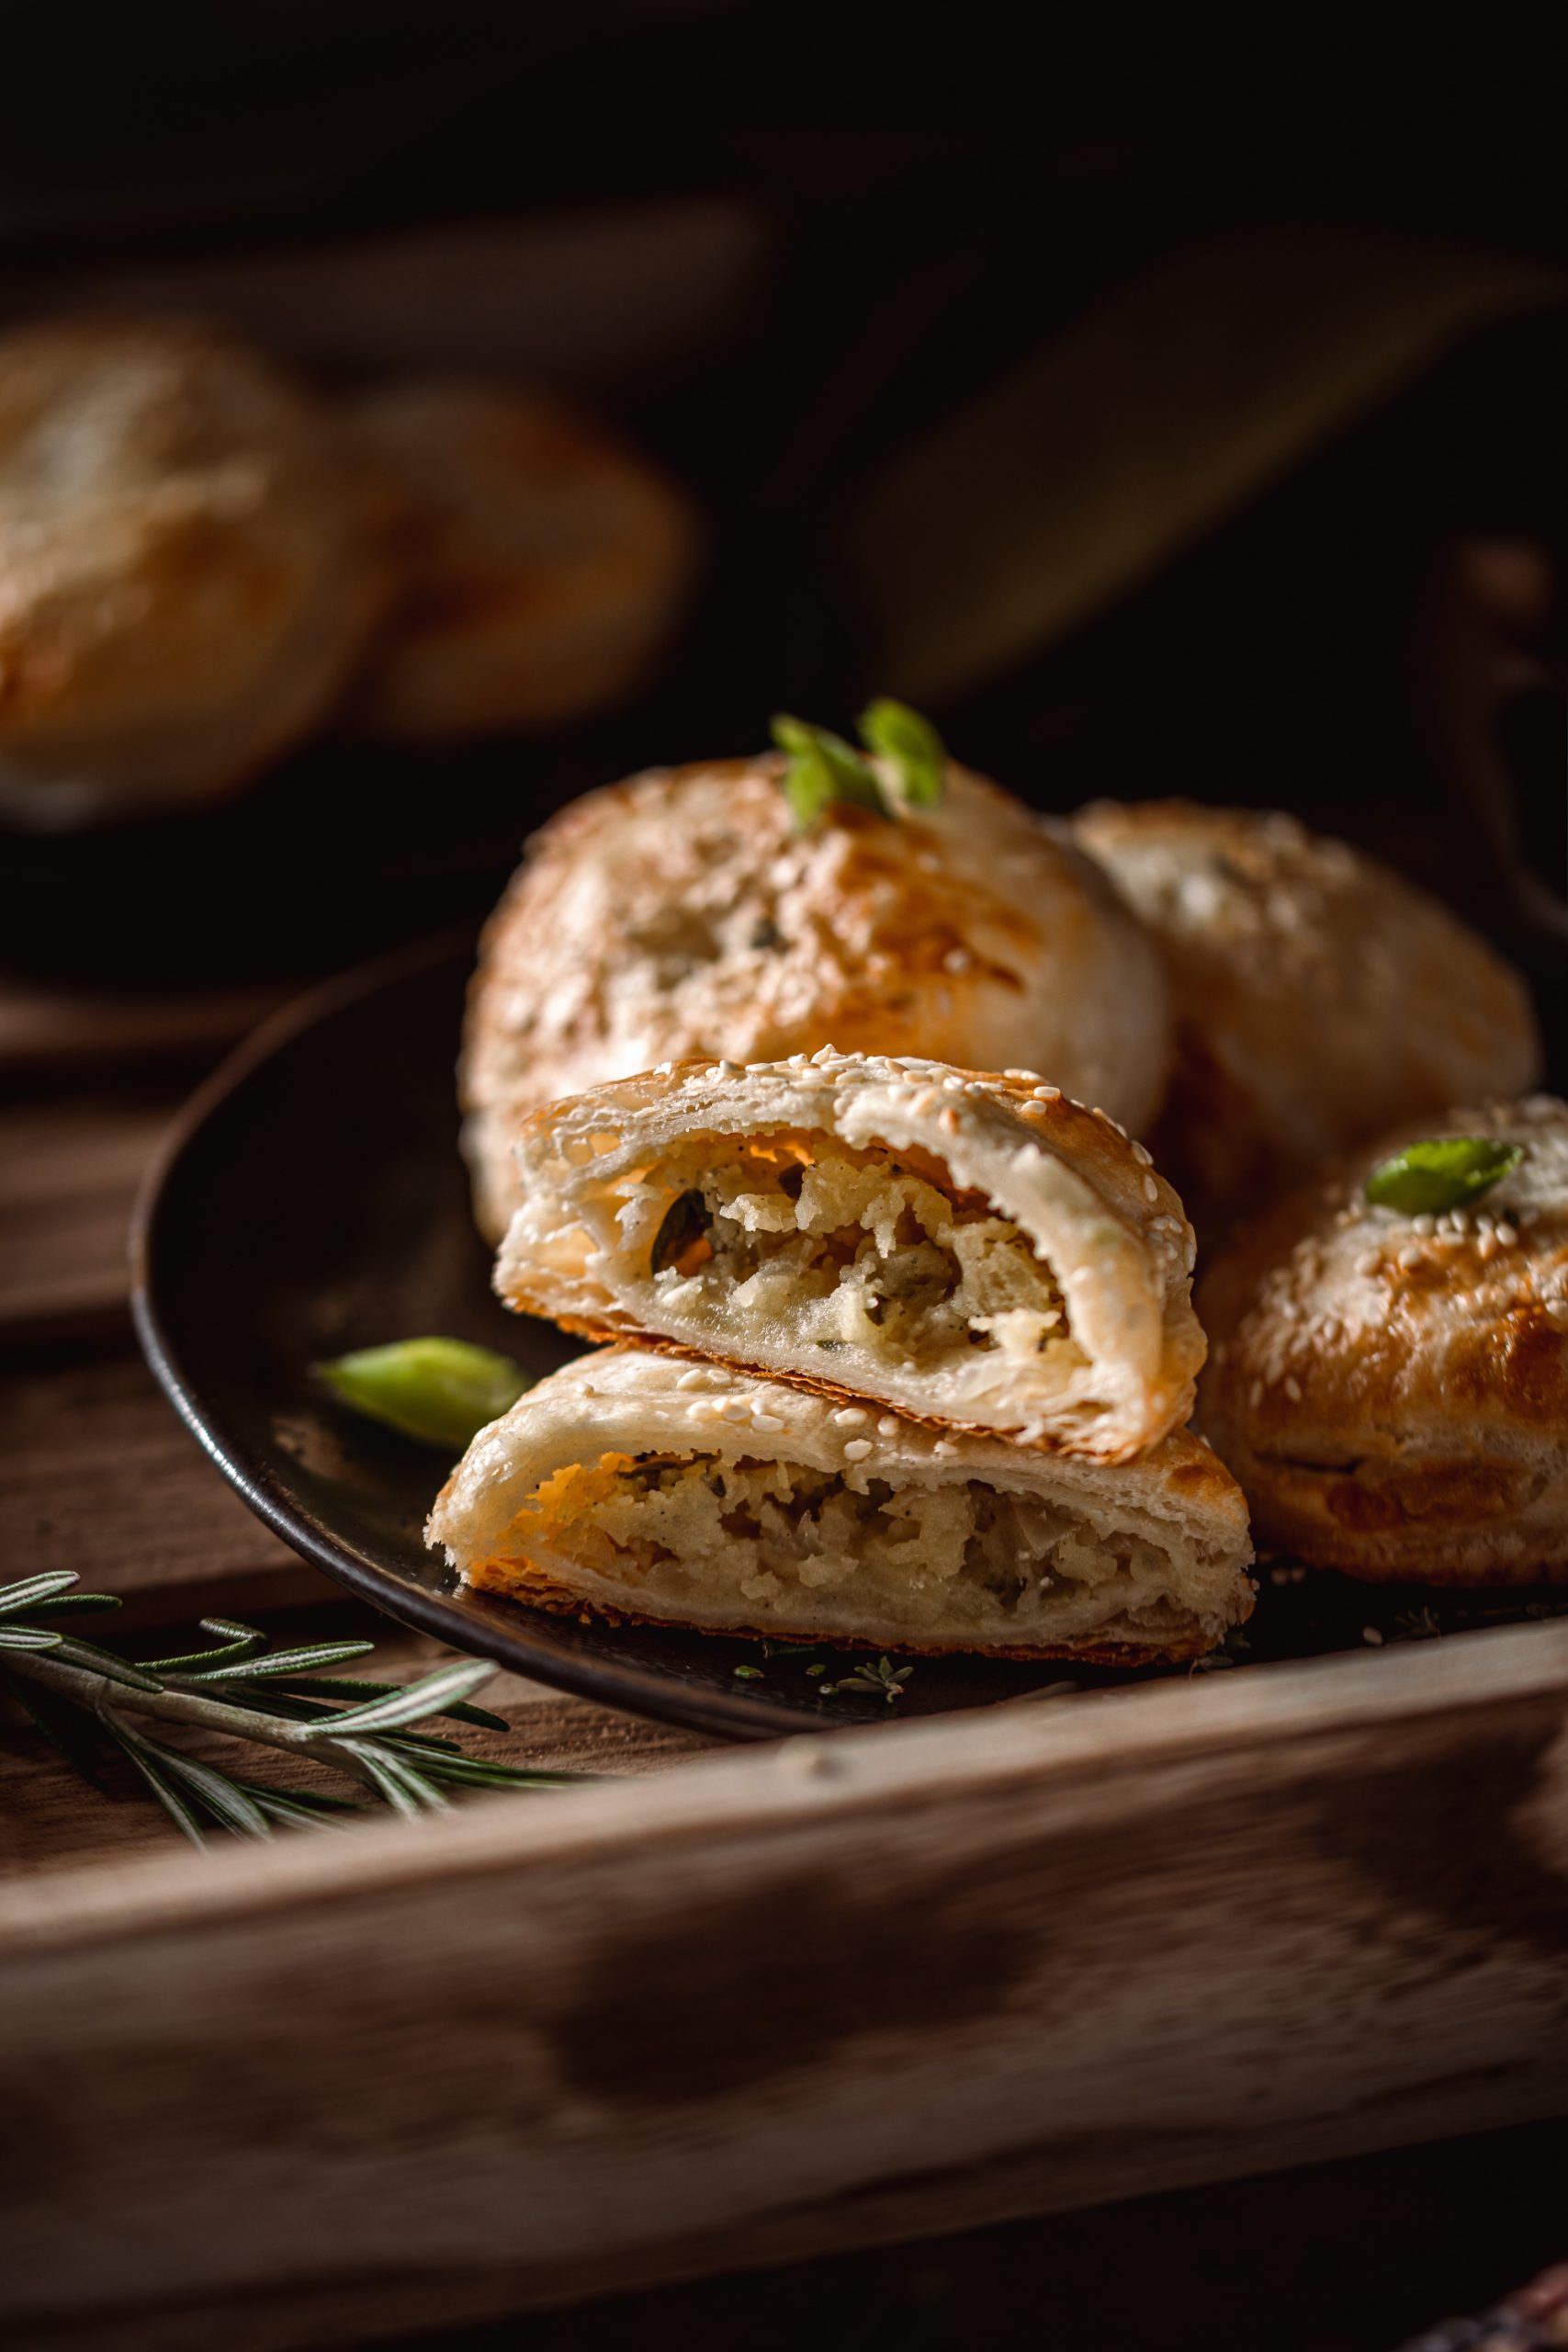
{"x": 94, "y": 1660}
{"x": 28, "y": 1637}
{"x": 327, "y": 1686}
{"x": 234, "y": 1640}
{"x": 417, "y": 1700}
{"x": 33, "y": 1589}
{"x": 253, "y": 1669}
{"x": 148, "y": 1763}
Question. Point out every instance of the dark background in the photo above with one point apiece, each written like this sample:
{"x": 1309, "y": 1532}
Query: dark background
{"x": 941, "y": 198}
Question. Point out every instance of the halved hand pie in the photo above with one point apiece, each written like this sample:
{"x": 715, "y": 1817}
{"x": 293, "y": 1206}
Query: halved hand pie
{"x": 634, "y": 1486}
{"x": 974, "y": 1251}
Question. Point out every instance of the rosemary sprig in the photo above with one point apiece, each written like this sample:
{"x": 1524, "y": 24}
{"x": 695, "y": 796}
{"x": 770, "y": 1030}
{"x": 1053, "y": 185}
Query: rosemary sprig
{"x": 79, "y": 1696}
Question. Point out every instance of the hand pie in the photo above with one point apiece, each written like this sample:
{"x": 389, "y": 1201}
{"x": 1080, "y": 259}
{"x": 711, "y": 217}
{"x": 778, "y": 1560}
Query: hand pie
{"x": 1317, "y": 996}
{"x": 546, "y": 562}
{"x": 1391, "y": 1390}
{"x": 634, "y": 1486}
{"x": 683, "y": 914}
{"x": 974, "y": 1250}
{"x": 186, "y": 579}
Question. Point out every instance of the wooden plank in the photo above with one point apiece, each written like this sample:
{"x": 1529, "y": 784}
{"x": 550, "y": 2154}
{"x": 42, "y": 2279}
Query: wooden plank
{"x": 68, "y": 1171}
{"x": 97, "y": 1475}
{"x": 785, "y": 2001}
{"x": 51, "y": 1029}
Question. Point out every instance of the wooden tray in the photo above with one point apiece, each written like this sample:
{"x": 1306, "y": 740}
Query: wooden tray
{"x": 727, "y": 2008}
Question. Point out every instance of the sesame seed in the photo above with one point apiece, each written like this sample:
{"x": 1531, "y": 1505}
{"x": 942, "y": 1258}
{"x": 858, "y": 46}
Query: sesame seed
{"x": 694, "y": 1378}
{"x": 767, "y": 1421}
{"x": 1293, "y": 1389}
{"x": 850, "y": 1416}
{"x": 1372, "y": 1635}
{"x": 954, "y": 1084}
{"x": 727, "y": 1070}
{"x": 857, "y": 1449}
{"x": 887, "y": 1426}
{"x": 1047, "y": 1094}
{"x": 1142, "y": 1156}
{"x": 1151, "y": 1189}
{"x": 1507, "y": 1235}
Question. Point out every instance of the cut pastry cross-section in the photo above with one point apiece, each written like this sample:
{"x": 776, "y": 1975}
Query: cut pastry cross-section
{"x": 974, "y": 1251}
{"x": 636, "y": 1486}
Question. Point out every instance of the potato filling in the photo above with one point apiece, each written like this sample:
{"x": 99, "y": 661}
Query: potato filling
{"x": 846, "y": 1250}
{"x": 768, "y": 1542}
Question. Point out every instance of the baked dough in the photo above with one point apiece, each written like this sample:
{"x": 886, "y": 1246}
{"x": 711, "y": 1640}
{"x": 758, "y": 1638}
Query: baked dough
{"x": 184, "y": 582}
{"x": 1392, "y": 1391}
{"x": 546, "y": 562}
{"x": 976, "y": 1250}
{"x": 681, "y": 913}
{"x": 634, "y": 1485}
{"x": 1317, "y": 996}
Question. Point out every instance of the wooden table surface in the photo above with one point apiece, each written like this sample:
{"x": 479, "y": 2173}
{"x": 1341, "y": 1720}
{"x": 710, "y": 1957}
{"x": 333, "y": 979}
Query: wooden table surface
{"x": 96, "y": 1474}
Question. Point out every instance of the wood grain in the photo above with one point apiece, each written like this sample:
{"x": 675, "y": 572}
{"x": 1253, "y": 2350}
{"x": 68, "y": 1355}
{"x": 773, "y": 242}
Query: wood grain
{"x": 69, "y": 1173}
{"x": 53, "y": 1029}
{"x": 97, "y": 1475}
{"x": 777, "y": 2002}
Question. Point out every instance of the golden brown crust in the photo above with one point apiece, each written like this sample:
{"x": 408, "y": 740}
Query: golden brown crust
{"x": 184, "y": 576}
{"x": 1393, "y": 1392}
{"x": 526, "y": 1582}
{"x": 680, "y": 913}
{"x": 545, "y": 561}
{"x": 1089, "y": 1202}
{"x": 1317, "y": 996}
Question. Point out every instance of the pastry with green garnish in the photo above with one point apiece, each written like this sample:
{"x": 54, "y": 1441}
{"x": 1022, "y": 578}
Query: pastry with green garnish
{"x": 1388, "y": 1366}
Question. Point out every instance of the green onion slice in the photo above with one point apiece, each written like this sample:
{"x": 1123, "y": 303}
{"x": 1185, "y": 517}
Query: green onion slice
{"x": 823, "y": 768}
{"x": 1445, "y": 1172}
{"x": 440, "y": 1391}
{"x": 911, "y": 745}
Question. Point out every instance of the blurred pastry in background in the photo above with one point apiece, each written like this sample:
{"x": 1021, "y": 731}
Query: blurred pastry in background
{"x": 545, "y": 563}
{"x": 690, "y": 912}
{"x": 636, "y": 1486}
{"x": 976, "y": 1250}
{"x": 1388, "y": 1368}
{"x": 1316, "y": 995}
{"x": 184, "y": 581}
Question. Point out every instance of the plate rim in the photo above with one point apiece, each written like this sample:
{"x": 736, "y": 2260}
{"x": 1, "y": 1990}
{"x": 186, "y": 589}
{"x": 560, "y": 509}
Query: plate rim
{"x": 724, "y": 1716}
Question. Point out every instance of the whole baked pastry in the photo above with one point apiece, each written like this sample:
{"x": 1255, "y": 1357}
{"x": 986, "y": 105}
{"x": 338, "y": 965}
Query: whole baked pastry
{"x": 683, "y": 914}
{"x": 183, "y": 581}
{"x": 976, "y": 1250}
{"x": 1390, "y": 1386}
{"x": 1316, "y": 995}
{"x": 634, "y": 1485}
{"x": 545, "y": 562}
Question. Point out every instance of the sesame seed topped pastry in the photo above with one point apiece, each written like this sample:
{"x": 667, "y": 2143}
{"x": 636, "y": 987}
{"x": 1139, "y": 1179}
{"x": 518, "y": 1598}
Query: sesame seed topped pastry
{"x": 1389, "y": 1369}
{"x": 687, "y": 913}
{"x": 545, "y": 561}
{"x": 1317, "y": 996}
{"x": 633, "y": 1485}
{"x": 976, "y": 1250}
{"x": 184, "y": 572}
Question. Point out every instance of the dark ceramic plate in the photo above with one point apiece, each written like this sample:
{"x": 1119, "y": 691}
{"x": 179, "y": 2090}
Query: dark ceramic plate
{"x": 313, "y": 1200}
